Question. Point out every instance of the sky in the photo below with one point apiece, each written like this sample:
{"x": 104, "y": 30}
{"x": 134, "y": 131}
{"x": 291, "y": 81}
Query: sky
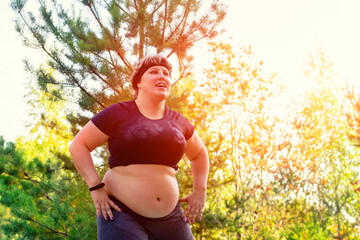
{"x": 282, "y": 33}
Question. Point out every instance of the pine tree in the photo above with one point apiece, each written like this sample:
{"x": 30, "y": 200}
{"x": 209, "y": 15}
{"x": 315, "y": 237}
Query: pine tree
{"x": 90, "y": 48}
{"x": 42, "y": 194}
{"x": 41, "y": 201}
{"x": 93, "y": 45}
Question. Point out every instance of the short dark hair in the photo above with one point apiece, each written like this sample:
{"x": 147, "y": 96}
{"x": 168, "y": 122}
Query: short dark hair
{"x": 146, "y": 63}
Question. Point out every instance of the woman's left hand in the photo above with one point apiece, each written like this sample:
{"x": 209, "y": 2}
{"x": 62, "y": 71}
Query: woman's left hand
{"x": 195, "y": 205}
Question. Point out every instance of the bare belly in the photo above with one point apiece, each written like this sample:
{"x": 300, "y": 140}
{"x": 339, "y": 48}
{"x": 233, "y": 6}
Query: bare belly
{"x": 149, "y": 190}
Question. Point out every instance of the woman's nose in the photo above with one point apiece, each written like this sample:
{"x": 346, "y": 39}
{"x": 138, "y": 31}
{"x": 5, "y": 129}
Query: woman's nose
{"x": 162, "y": 75}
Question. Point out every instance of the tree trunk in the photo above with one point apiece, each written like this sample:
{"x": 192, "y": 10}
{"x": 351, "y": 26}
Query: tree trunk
{"x": 141, "y": 21}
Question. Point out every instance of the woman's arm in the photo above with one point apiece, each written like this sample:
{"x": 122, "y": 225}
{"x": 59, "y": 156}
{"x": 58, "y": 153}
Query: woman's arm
{"x": 83, "y": 144}
{"x": 196, "y": 152}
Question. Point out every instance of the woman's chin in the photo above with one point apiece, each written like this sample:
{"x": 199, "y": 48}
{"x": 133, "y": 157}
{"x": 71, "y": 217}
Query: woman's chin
{"x": 162, "y": 95}
{"x": 157, "y": 95}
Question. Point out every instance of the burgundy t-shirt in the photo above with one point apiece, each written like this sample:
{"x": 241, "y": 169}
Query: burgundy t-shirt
{"x": 135, "y": 139}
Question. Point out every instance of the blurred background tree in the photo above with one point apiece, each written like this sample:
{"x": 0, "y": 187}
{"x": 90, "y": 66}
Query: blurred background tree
{"x": 275, "y": 173}
{"x": 237, "y": 93}
{"x": 89, "y": 50}
{"x": 327, "y": 159}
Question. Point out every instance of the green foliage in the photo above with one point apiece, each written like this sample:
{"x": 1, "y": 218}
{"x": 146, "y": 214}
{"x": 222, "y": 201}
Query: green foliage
{"x": 295, "y": 184}
{"x": 40, "y": 188}
{"x": 36, "y": 193}
{"x": 92, "y": 45}
{"x": 353, "y": 114}
{"x": 90, "y": 48}
{"x": 269, "y": 178}
{"x": 308, "y": 230}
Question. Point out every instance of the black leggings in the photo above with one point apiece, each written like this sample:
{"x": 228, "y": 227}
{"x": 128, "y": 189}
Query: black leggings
{"x": 130, "y": 225}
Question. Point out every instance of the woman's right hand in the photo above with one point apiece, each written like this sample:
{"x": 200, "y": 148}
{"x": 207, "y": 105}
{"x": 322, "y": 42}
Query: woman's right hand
{"x": 103, "y": 203}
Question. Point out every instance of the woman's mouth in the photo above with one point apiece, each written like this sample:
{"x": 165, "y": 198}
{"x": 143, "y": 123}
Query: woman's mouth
{"x": 160, "y": 85}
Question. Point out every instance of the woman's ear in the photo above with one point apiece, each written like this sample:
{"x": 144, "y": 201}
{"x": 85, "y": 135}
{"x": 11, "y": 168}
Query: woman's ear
{"x": 138, "y": 85}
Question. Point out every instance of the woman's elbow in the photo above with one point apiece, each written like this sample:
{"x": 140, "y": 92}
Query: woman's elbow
{"x": 72, "y": 147}
{"x": 75, "y": 146}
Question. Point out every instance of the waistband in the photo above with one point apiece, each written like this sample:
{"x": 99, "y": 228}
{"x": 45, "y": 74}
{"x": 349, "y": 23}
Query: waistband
{"x": 177, "y": 210}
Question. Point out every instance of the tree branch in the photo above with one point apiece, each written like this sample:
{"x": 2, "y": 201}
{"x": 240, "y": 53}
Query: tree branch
{"x": 185, "y": 17}
{"x": 165, "y": 19}
{"x": 182, "y": 20}
{"x": 46, "y": 195}
{"x": 102, "y": 79}
{"x": 42, "y": 45}
{"x": 122, "y": 57}
{"x": 156, "y": 8}
{"x": 114, "y": 65}
{"x": 136, "y": 6}
{"x": 118, "y": 5}
{"x": 33, "y": 181}
{"x": 40, "y": 224}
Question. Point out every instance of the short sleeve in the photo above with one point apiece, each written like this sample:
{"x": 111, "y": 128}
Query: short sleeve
{"x": 188, "y": 129}
{"x": 104, "y": 120}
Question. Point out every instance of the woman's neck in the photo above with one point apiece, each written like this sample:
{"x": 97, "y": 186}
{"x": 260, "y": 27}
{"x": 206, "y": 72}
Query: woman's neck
{"x": 150, "y": 109}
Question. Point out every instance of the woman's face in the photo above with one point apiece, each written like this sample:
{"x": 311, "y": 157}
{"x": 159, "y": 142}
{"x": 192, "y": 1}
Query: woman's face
{"x": 155, "y": 82}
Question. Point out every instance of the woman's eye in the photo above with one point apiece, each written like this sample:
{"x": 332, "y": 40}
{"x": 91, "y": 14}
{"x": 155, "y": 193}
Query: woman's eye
{"x": 165, "y": 73}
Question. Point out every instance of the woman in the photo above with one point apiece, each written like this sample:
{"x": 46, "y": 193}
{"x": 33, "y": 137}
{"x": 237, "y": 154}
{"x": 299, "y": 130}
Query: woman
{"x": 139, "y": 197}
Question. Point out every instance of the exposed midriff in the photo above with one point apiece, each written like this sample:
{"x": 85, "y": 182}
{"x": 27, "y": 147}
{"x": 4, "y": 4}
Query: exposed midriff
{"x": 147, "y": 189}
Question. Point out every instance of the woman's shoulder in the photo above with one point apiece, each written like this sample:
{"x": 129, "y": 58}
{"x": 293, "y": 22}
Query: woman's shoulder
{"x": 113, "y": 115}
{"x": 182, "y": 122}
{"x": 115, "y": 111}
{"x": 175, "y": 115}
{"x": 122, "y": 107}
